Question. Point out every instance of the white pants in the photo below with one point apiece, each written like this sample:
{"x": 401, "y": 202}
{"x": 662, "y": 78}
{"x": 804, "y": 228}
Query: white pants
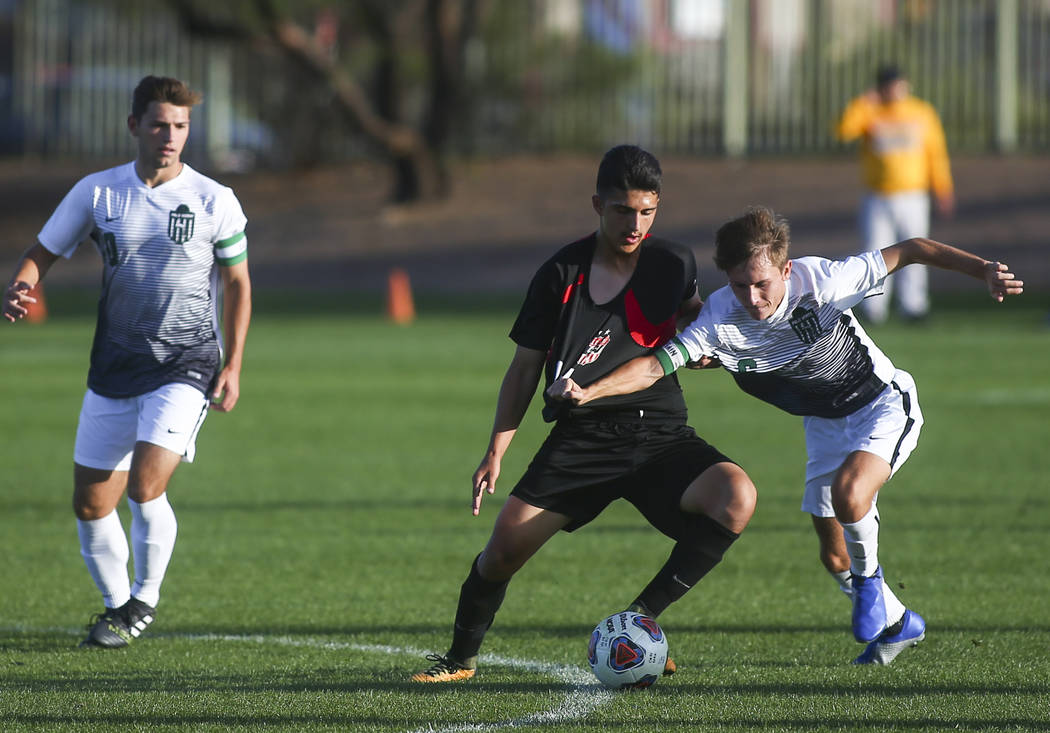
{"x": 170, "y": 417}
{"x": 886, "y": 220}
{"x": 888, "y": 427}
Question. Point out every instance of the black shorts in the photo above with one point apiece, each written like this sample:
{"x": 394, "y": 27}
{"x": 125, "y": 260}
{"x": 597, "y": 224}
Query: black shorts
{"x": 585, "y": 464}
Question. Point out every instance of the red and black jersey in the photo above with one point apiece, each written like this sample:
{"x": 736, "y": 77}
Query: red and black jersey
{"x": 559, "y": 317}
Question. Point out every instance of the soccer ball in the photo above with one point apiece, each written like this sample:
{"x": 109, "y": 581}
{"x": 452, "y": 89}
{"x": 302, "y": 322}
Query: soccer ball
{"x": 627, "y": 651}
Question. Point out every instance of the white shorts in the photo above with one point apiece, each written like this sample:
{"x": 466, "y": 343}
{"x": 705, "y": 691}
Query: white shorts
{"x": 170, "y": 417}
{"x": 888, "y": 427}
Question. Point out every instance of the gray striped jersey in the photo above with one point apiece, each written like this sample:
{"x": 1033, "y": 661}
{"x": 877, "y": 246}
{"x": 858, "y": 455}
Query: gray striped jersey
{"x": 160, "y": 249}
{"x": 811, "y": 357}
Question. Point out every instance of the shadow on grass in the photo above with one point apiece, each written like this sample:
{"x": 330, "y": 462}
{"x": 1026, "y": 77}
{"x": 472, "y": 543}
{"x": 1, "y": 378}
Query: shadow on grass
{"x": 335, "y": 678}
{"x": 573, "y": 631}
{"x": 296, "y": 722}
{"x": 868, "y": 723}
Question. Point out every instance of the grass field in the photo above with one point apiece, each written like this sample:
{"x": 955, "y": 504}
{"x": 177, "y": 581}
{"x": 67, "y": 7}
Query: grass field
{"x": 325, "y": 528}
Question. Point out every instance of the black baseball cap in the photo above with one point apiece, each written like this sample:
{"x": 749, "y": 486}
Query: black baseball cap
{"x": 887, "y": 73}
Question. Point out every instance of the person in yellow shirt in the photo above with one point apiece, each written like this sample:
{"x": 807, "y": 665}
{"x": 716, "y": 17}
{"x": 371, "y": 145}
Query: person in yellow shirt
{"x": 904, "y": 158}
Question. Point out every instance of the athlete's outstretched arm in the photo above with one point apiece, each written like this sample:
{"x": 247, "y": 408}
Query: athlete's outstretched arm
{"x": 634, "y": 376}
{"x": 29, "y": 271}
{"x": 236, "y": 313}
{"x": 515, "y": 394}
{"x": 919, "y": 250}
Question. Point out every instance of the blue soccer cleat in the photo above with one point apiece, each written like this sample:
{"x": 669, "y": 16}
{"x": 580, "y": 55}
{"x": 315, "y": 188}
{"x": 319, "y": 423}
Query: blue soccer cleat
{"x": 886, "y": 648}
{"x": 869, "y": 607}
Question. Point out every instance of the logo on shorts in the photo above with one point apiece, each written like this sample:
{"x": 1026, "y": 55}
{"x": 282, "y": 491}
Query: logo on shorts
{"x": 805, "y": 324}
{"x": 180, "y": 224}
{"x": 596, "y": 347}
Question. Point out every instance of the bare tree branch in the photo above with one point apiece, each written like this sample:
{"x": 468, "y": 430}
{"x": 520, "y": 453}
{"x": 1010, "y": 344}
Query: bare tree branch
{"x": 418, "y": 172}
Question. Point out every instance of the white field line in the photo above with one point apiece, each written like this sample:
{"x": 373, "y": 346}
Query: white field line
{"x": 585, "y": 696}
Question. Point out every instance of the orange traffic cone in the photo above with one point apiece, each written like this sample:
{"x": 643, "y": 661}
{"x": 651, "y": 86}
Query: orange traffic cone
{"x": 38, "y": 310}
{"x": 399, "y": 305}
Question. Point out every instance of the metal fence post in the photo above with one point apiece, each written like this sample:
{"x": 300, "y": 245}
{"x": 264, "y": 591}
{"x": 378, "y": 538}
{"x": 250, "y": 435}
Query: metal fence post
{"x": 1006, "y": 74}
{"x": 735, "y": 83}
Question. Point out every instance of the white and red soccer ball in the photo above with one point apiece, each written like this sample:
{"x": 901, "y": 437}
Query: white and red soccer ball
{"x": 627, "y": 651}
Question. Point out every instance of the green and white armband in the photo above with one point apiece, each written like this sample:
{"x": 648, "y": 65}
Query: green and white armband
{"x": 672, "y": 356}
{"x": 231, "y": 250}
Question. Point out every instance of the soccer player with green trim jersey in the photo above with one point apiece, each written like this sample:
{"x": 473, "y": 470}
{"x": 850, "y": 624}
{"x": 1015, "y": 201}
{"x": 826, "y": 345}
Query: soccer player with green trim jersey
{"x": 785, "y": 330}
{"x": 170, "y": 240}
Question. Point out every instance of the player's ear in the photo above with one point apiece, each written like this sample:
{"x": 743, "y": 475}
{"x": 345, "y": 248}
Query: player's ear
{"x": 596, "y": 202}
{"x": 787, "y": 270}
{"x": 133, "y": 125}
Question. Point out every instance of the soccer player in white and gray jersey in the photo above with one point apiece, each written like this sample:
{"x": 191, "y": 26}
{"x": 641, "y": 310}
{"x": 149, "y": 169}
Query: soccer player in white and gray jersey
{"x": 161, "y": 249}
{"x": 785, "y": 330}
{"x": 167, "y": 236}
{"x": 810, "y": 356}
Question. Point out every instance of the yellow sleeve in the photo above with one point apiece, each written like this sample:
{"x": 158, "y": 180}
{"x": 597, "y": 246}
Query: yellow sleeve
{"x": 937, "y": 156}
{"x": 855, "y": 120}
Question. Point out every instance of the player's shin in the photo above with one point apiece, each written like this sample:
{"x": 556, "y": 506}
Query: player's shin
{"x": 862, "y": 543}
{"x": 479, "y": 599}
{"x": 153, "y": 531}
{"x": 701, "y": 545}
{"x": 104, "y": 547}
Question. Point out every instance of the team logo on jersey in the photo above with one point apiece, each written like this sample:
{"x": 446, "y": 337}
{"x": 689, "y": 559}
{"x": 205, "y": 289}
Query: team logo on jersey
{"x": 805, "y": 324}
{"x": 180, "y": 224}
{"x": 595, "y": 348}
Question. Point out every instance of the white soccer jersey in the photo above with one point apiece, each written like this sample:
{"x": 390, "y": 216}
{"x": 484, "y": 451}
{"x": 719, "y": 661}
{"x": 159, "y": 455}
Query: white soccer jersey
{"x": 811, "y": 357}
{"x": 160, "y": 247}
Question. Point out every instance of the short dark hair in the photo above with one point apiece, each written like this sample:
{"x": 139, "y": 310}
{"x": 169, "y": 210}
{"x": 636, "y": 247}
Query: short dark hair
{"x": 887, "y": 74}
{"x": 758, "y": 230}
{"x": 162, "y": 89}
{"x": 628, "y": 168}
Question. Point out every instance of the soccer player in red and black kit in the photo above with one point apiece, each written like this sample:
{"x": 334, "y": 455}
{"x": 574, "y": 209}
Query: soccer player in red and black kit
{"x": 596, "y": 304}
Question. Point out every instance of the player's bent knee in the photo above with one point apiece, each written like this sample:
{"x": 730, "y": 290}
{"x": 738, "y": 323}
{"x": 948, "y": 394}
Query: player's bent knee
{"x": 87, "y": 510}
{"x": 498, "y": 564}
{"x": 848, "y": 506}
{"x": 744, "y": 497}
{"x": 725, "y": 493}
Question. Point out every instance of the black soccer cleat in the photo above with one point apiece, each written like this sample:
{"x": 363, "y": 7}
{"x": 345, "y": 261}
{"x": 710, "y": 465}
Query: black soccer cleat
{"x": 138, "y": 616}
{"x": 118, "y": 627}
{"x": 107, "y": 630}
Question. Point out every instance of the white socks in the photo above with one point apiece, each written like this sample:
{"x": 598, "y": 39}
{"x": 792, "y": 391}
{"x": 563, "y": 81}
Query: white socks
{"x": 894, "y": 608}
{"x": 845, "y": 582}
{"x": 153, "y": 530}
{"x": 862, "y": 543}
{"x": 104, "y": 547}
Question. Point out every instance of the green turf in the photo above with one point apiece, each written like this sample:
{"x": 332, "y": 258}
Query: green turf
{"x": 325, "y": 528}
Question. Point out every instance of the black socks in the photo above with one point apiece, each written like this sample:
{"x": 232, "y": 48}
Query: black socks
{"x": 700, "y": 547}
{"x": 479, "y": 599}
